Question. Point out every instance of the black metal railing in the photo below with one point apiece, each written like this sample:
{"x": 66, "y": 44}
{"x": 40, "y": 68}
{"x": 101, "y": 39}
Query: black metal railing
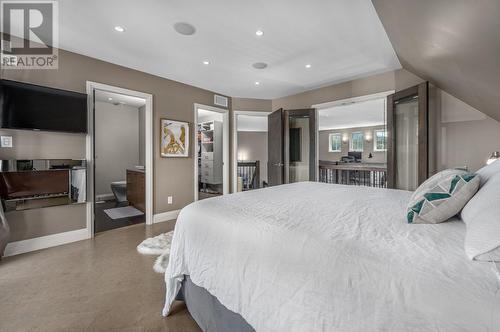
{"x": 356, "y": 174}
{"x": 249, "y": 172}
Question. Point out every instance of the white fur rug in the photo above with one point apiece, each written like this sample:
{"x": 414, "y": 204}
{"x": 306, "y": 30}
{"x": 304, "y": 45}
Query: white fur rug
{"x": 158, "y": 245}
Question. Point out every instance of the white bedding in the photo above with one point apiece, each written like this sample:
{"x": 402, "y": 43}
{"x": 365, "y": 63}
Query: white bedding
{"x": 321, "y": 257}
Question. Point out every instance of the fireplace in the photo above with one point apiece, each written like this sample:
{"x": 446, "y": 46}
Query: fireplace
{"x": 29, "y": 184}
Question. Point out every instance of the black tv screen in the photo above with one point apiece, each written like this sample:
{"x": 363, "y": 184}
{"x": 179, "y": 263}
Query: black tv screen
{"x": 28, "y": 106}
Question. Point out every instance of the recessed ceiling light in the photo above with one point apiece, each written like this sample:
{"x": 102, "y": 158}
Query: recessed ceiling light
{"x": 257, "y": 83}
{"x": 184, "y": 28}
{"x": 259, "y": 33}
{"x": 259, "y": 65}
{"x": 206, "y": 62}
{"x": 110, "y": 99}
{"x": 119, "y": 28}
{"x": 308, "y": 66}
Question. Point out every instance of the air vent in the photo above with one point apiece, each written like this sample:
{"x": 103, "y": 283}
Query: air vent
{"x": 220, "y": 101}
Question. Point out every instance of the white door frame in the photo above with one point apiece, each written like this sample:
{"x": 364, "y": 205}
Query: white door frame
{"x": 235, "y": 142}
{"x": 225, "y": 146}
{"x": 91, "y": 87}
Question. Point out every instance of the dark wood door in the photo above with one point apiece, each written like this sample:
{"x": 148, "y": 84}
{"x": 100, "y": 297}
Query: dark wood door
{"x": 408, "y": 121}
{"x": 275, "y": 161}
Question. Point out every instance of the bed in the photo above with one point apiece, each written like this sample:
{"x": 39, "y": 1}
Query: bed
{"x": 322, "y": 257}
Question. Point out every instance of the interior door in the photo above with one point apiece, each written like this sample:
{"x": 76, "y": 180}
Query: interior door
{"x": 275, "y": 160}
{"x": 300, "y": 145}
{"x": 408, "y": 137}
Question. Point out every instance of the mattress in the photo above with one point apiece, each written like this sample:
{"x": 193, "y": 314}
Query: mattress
{"x": 321, "y": 257}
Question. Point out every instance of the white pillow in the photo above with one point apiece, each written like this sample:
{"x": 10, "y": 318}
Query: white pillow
{"x": 482, "y": 217}
{"x": 441, "y": 197}
{"x": 486, "y": 172}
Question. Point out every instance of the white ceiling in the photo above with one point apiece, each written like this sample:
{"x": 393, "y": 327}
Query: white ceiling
{"x": 342, "y": 40}
{"x": 252, "y": 123}
{"x": 117, "y": 98}
{"x": 361, "y": 114}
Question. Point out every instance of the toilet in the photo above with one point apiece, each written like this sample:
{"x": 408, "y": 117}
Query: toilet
{"x": 119, "y": 189}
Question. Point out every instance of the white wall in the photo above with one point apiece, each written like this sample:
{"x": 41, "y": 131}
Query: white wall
{"x": 117, "y": 143}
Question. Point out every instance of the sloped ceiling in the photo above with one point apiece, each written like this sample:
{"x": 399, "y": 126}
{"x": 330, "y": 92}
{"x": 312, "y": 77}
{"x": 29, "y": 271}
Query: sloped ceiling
{"x": 453, "y": 43}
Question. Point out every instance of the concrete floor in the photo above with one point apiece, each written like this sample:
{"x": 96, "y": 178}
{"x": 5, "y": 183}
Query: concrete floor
{"x": 101, "y": 284}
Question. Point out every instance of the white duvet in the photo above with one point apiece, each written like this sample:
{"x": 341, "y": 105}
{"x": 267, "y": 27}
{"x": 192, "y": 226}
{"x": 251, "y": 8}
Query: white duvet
{"x": 321, "y": 257}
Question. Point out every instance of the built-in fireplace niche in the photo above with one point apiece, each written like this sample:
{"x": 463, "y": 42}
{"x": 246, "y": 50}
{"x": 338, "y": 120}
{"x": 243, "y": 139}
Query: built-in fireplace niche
{"x": 37, "y": 183}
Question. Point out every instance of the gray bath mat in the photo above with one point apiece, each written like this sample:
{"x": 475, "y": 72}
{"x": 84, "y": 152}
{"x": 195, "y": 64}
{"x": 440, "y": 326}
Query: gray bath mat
{"x": 123, "y": 212}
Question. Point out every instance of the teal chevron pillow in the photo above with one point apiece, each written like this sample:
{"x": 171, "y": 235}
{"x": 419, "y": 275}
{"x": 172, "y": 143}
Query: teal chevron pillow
{"x": 441, "y": 197}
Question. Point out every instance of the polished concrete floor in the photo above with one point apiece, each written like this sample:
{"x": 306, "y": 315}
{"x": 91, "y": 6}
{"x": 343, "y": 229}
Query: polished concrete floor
{"x": 101, "y": 284}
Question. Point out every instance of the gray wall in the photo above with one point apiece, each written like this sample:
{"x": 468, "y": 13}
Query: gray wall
{"x": 392, "y": 80}
{"x": 252, "y": 145}
{"x": 466, "y": 137}
{"x": 324, "y": 154}
{"x": 116, "y": 145}
{"x": 172, "y": 100}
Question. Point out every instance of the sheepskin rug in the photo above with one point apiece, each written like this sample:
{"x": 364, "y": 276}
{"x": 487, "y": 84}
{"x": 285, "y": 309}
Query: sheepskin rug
{"x": 158, "y": 245}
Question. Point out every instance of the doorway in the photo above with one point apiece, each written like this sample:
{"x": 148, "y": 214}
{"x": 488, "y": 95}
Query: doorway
{"x": 211, "y": 162}
{"x": 352, "y": 139}
{"x": 250, "y": 143}
{"x": 292, "y": 146}
{"x": 120, "y": 158}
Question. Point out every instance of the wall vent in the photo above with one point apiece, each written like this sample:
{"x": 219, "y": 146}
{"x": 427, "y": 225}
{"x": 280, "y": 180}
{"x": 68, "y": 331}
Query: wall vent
{"x": 220, "y": 101}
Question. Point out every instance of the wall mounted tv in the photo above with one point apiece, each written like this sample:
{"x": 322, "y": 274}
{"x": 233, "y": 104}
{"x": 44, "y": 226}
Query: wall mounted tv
{"x": 33, "y": 107}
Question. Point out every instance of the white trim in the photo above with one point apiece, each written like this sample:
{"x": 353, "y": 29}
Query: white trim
{"x": 42, "y": 242}
{"x": 353, "y": 100}
{"x": 149, "y": 129}
{"x": 235, "y": 142}
{"x": 225, "y": 146}
{"x": 165, "y": 216}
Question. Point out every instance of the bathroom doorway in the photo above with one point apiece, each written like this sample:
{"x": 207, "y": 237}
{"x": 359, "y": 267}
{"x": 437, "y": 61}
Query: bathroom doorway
{"x": 121, "y": 158}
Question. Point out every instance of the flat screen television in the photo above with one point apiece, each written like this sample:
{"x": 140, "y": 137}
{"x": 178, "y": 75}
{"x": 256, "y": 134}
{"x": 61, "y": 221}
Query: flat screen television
{"x": 28, "y": 106}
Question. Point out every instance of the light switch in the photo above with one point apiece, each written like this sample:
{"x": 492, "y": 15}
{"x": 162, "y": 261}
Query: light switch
{"x": 169, "y": 199}
{"x": 6, "y": 141}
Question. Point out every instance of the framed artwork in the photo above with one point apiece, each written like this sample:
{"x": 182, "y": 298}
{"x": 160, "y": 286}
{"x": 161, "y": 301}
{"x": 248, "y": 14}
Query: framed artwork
{"x": 174, "y": 139}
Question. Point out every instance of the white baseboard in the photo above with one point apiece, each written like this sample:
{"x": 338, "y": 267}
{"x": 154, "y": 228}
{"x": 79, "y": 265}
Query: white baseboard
{"x": 165, "y": 216}
{"x": 104, "y": 197}
{"x": 23, "y": 246}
